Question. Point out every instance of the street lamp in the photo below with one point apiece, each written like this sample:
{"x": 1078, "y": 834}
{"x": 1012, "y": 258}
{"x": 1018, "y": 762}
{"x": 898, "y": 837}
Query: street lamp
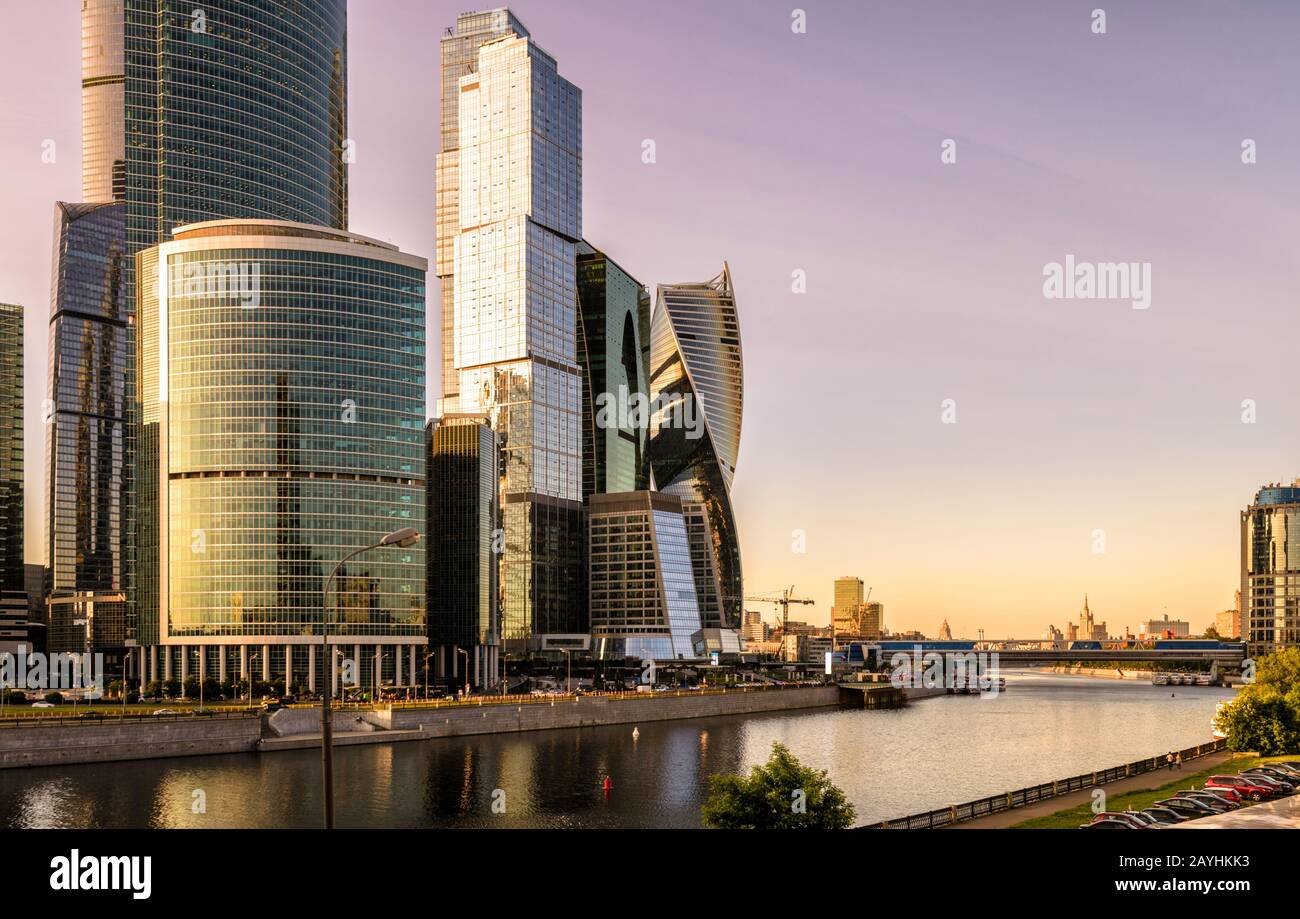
{"x": 466, "y": 653}
{"x": 402, "y": 539}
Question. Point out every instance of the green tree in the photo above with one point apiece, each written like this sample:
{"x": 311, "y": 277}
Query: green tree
{"x": 1265, "y": 716}
{"x": 779, "y": 795}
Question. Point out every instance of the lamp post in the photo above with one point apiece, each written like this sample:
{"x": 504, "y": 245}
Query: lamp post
{"x": 466, "y": 653}
{"x": 402, "y": 539}
{"x": 426, "y": 675}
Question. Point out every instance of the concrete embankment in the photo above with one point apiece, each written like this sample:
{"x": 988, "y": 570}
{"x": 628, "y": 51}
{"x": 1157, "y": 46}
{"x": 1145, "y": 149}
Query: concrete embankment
{"x": 111, "y": 741}
{"x": 1102, "y": 674}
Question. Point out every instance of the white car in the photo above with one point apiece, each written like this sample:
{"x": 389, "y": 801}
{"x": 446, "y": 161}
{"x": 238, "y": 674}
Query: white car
{"x": 42, "y": 705}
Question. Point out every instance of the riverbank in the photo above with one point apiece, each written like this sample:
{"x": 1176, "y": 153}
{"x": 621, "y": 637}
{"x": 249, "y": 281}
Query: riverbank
{"x": 1099, "y": 673}
{"x": 34, "y": 744}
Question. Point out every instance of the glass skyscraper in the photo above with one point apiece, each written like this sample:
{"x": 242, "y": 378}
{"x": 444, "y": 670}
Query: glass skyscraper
{"x": 459, "y": 57}
{"x": 696, "y": 386}
{"x": 86, "y": 434}
{"x": 282, "y": 392}
{"x": 613, "y": 345}
{"x": 13, "y": 588}
{"x": 642, "y": 588}
{"x": 1270, "y": 569}
{"x": 519, "y": 216}
{"x": 462, "y": 575}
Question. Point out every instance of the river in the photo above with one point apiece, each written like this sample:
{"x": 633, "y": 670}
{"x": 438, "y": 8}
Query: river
{"x": 930, "y": 754}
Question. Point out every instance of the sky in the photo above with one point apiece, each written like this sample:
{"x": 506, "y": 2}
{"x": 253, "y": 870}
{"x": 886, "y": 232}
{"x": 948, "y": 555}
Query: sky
{"x": 1096, "y": 448}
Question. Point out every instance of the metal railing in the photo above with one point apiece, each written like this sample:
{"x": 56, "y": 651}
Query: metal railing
{"x": 958, "y": 813}
{"x": 105, "y": 717}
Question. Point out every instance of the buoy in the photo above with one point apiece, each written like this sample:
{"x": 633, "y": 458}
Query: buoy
{"x": 636, "y": 733}
{"x": 607, "y": 785}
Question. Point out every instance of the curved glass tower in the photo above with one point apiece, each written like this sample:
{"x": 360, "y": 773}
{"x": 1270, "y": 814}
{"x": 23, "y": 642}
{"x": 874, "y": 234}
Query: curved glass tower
{"x": 697, "y": 395}
{"x": 1270, "y": 569}
{"x": 282, "y": 396}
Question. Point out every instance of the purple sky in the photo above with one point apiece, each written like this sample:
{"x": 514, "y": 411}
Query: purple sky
{"x": 821, "y": 152}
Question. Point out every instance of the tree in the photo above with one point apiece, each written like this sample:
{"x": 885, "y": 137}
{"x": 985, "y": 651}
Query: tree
{"x": 1265, "y": 716}
{"x": 1212, "y": 634}
{"x": 781, "y": 794}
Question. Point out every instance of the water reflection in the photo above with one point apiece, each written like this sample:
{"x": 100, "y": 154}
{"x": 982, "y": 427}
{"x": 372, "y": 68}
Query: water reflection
{"x": 934, "y": 753}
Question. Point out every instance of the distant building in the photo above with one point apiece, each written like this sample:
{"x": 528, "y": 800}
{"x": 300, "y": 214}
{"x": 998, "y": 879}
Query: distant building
{"x": 1228, "y": 623}
{"x": 1071, "y": 632}
{"x": 641, "y": 585}
{"x": 1270, "y": 569}
{"x": 945, "y": 633}
{"x": 1088, "y": 628}
{"x": 1052, "y": 633}
{"x": 13, "y": 587}
{"x": 1164, "y": 628}
{"x": 754, "y": 629}
{"x": 36, "y": 579}
{"x": 848, "y": 594}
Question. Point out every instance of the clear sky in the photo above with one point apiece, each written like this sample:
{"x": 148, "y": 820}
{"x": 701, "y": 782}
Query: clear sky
{"x": 820, "y": 152}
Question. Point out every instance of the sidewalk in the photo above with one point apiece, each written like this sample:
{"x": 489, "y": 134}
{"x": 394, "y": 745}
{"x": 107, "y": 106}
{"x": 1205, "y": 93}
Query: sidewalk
{"x": 1008, "y": 818}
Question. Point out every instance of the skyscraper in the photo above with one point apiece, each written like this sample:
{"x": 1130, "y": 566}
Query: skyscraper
{"x": 193, "y": 112}
{"x": 642, "y": 585}
{"x": 459, "y": 52}
{"x": 13, "y": 588}
{"x": 87, "y": 476}
{"x": 282, "y": 387}
{"x": 696, "y": 388}
{"x": 613, "y": 346}
{"x": 1270, "y": 569}
{"x": 848, "y": 595}
{"x": 461, "y": 552}
{"x": 519, "y": 217}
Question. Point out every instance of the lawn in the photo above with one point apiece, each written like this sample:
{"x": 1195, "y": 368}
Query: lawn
{"x": 1136, "y": 800}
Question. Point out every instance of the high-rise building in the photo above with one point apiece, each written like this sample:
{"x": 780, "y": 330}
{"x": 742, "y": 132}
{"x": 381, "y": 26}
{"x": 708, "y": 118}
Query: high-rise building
{"x": 1270, "y": 569}
{"x": 696, "y": 388}
{"x": 282, "y": 393}
{"x": 191, "y": 112}
{"x": 13, "y": 586}
{"x": 35, "y": 577}
{"x": 642, "y": 586}
{"x": 459, "y": 57}
{"x": 88, "y": 416}
{"x": 463, "y": 621}
{"x": 515, "y": 303}
{"x": 754, "y": 628}
{"x": 848, "y": 594}
{"x": 613, "y": 347}
{"x": 1228, "y": 623}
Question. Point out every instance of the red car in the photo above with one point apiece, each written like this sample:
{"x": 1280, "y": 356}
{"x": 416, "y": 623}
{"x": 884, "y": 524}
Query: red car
{"x": 1241, "y": 785}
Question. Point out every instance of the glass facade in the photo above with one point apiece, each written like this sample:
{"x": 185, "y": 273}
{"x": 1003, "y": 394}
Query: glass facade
{"x": 13, "y": 588}
{"x": 462, "y": 574}
{"x": 103, "y": 85}
{"x": 696, "y": 387}
{"x": 88, "y": 409}
{"x": 641, "y": 582}
{"x": 519, "y": 220}
{"x": 459, "y": 57}
{"x": 283, "y": 397}
{"x": 1270, "y": 569}
{"x": 613, "y": 344}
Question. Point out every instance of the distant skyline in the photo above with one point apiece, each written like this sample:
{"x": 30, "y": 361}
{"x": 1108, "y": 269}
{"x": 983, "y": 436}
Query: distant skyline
{"x": 820, "y": 153}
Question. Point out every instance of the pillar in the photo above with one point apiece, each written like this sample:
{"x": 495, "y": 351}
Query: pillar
{"x": 266, "y": 663}
{"x": 243, "y": 662}
{"x": 288, "y": 669}
{"x": 356, "y": 656}
{"x": 221, "y": 663}
{"x": 311, "y": 668}
{"x": 185, "y": 667}
{"x": 153, "y": 662}
{"x": 412, "y": 667}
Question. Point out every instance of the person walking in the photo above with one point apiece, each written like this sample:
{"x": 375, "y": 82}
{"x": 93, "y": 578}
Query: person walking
{"x": 1178, "y": 760}
{"x": 1169, "y": 760}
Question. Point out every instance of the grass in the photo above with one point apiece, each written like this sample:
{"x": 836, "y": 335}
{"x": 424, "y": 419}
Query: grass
{"x": 1137, "y": 799}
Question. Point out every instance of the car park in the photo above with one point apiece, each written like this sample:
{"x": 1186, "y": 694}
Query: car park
{"x": 1244, "y": 786}
{"x": 1187, "y": 806}
{"x": 1276, "y": 775}
{"x": 1215, "y": 803}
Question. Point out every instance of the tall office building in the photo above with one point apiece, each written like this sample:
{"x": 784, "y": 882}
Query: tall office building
{"x": 190, "y": 112}
{"x": 87, "y": 476}
{"x": 696, "y": 387}
{"x": 1270, "y": 569}
{"x": 848, "y": 595}
{"x": 282, "y": 391}
{"x": 642, "y": 589}
{"x": 463, "y": 624}
{"x": 519, "y": 217}
{"x": 459, "y": 57}
{"x": 13, "y": 587}
{"x": 613, "y": 347}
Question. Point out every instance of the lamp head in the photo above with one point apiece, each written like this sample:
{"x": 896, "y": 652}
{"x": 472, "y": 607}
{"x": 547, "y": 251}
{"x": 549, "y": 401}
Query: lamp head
{"x": 403, "y": 539}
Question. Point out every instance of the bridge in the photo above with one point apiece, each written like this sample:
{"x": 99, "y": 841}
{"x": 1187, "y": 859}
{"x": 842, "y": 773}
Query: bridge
{"x": 1011, "y": 652}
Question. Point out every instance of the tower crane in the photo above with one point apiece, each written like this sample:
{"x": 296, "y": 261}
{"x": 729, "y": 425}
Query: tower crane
{"x": 784, "y": 600}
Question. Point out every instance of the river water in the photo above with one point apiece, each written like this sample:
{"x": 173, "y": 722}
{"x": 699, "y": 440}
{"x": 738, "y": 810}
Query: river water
{"x": 930, "y": 754}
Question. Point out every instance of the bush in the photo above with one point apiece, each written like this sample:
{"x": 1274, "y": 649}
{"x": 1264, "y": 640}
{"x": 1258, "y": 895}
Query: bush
{"x": 15, "y": 697}
{"x": 54, "y": 698}
{"x": 1265, "y": 716}
{"x": 781, "y": 794}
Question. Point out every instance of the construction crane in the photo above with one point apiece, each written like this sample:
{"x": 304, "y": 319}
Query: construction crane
{"x": 784, "y": 600}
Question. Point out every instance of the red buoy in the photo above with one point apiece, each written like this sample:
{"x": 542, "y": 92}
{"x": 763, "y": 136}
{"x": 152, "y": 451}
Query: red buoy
{"x": 607, "y": 785}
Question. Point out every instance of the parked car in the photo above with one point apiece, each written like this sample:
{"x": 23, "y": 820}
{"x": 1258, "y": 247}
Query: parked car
{"x": 1147, "y": 820}
{"x": 1231, "y": 795}
{"x": 1215, "y": 803}
{"x": 1280, "y": 786}
{"x": 1187, "y": 806}
{"x": 1277, "y": 775}
{"x": 1244, "y": 786}
{"x": 42, "y": 705}
{"x": 1131, "y": 819}
{"x": 166, "y": 711}
{"x": 1107, "y": 822}
{"x": 1166, "y": 816}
